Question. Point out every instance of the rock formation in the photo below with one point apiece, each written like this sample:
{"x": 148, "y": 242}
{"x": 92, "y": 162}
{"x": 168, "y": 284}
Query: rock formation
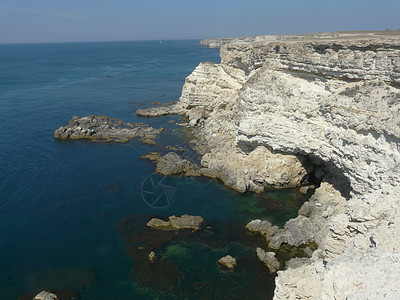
{"x": 177, "y": 223}
{"x": 280, "y": 111}
{"x": 45, "y": 296}
{"x": 269, "y": 259}
{"x": 172, "y": 163}
{"x": 228, "y": 262}
{"x": 262, "y": 227}
{"x": 106, "y": 129}
{"x": 152, "y": 256}
{"x": 158, "y": 111}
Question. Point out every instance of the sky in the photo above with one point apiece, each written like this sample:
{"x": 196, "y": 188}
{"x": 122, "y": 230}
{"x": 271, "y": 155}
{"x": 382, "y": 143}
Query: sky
{"x": 35, "y": 21}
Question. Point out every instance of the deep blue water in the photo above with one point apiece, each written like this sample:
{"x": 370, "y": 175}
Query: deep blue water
{"x": 61, "y": 201}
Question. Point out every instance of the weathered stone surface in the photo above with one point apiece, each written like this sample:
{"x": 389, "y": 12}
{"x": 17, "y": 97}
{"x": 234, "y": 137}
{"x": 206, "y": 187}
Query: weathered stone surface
{"x": 305, "y": 189}
{"x": 45, "y": 296}
{"x": 297, "y": 262}
{"x": 186, "y": 222}
{"x": 196, "y": 115}
{"x": 158, "y": 111}
{"x": 177, "y": 223}
{"x": 172, "y": 163}
{"x": 104, "y": 128}
{"x": 269, "y": 259}
{"x": 211, "y": 86}
{"x": 228, "y": 262}
{"x": 262, "y": 227}
{"x": 350, "y": 55}
{"x": 313, "y": 222}
{"x": 159, "y": 224}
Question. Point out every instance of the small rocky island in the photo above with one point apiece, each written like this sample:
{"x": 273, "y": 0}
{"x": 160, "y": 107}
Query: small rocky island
{"x": 287, "y": 111}
{"x": 104, "y": 128}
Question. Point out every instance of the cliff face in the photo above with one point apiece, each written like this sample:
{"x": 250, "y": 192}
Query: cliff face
{"x": 278, "y": 108}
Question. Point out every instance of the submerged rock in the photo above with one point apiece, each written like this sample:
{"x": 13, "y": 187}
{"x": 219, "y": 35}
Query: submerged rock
{"x": 269, "y": 259}
{"x": 160, "y": 275}
{"x": 228, "y": 262}
{"x": 153, "y": 156}
{"x": 106, "y": 129}
{"x": 62, "y": 279}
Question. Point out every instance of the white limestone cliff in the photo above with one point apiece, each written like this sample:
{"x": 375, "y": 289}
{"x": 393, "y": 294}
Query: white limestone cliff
{"x": 277, "y": 103}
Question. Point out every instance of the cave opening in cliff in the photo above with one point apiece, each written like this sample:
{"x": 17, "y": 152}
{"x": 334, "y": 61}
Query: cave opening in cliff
{"x": 317, "y": 169}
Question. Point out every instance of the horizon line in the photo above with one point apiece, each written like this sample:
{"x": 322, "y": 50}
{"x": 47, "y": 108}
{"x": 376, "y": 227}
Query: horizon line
{"x": 101, "y": 41}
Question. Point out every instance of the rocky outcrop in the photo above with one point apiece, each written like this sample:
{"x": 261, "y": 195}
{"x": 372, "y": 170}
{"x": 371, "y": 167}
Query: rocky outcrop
{"x": 158, "y": 111}
{"x": 269, "y": 259}
{"x": 177, "y": 223}
{"x": 106, "y": 129}
{"x": 262, "y": 227}
{"x": 313, "y": 221}
{"x": 280, "y": 111}
{"x": 172, "y": 163}
{"x": 228, "y": 262}
{"x": 45, "y": 296}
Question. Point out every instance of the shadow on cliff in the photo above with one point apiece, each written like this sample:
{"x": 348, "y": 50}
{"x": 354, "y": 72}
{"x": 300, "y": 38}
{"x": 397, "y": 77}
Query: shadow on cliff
{"x": 317, "y": 169}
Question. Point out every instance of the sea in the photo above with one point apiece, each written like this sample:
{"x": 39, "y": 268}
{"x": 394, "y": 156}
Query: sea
{"x": 70, "y": 211}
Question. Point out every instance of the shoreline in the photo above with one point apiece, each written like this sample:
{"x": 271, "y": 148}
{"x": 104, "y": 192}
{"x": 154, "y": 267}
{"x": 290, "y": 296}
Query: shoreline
{"x": 329, "y": 99}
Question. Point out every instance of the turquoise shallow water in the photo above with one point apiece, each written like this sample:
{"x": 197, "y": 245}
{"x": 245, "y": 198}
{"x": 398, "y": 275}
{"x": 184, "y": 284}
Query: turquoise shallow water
{"x": 61, "y": 201}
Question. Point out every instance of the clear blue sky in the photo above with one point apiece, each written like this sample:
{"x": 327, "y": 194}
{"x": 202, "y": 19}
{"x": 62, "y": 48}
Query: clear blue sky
{"x": 115, "y": 20}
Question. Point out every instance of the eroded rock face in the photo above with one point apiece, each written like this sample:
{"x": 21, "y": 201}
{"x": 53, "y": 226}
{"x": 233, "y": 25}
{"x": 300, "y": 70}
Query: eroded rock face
{"x": 210, "y": 95}
{"x": 335, "y": 99}
{"x": 104, "y": 128}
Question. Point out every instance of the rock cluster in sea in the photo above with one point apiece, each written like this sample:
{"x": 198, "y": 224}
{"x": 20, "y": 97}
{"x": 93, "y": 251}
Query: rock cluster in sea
{"x": 284, "y": 111}
{"x": 176, "y": 257}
